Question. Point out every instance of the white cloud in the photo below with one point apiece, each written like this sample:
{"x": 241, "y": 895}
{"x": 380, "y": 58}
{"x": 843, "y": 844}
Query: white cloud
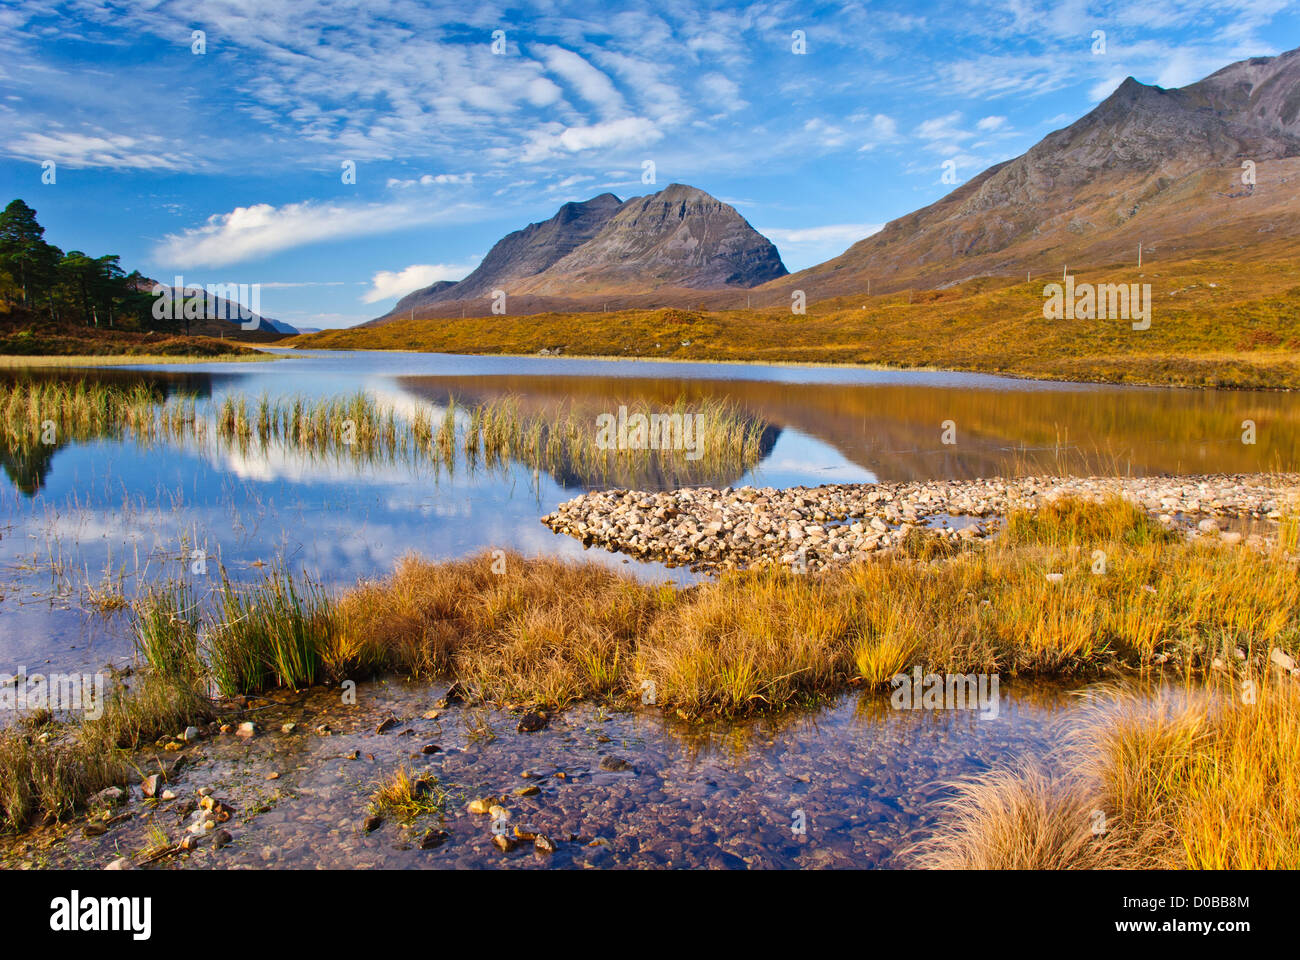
{"x": 989, "y": 124}
{"x": 1183, "y": 68}
{"x": 834, "y": 234}
{"x": 941, "y": 129}
{"x": 107, "y": 150}
{"x": 429, "y": 180}
{"x": 590, "y": 84}
{"x": 628, "y": 132}
{"x": 390, "y": 283}
{"x": 1104, "y": 88}
{"x": 721, "y": 89}
{"x": 263, "y": 229}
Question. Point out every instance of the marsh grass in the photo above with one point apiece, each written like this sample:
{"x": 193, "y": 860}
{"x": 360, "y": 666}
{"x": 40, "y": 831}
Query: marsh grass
{"x": 33, "y": 410}
{"x": 405, "y": 795}
{"x": 553, "y": 632}
{"x": 166, "y": 631}
{"x": 51, "y": 771}
{"x": 50, "y": 779}
{"x": 152, "y": 706}
{"x": 1075, "y": 522}
{"x": 1195, "y": 779}
{"x": 542, "y": 630}
{"x": 269, "y": 634}
{"x": 357, "y": 429}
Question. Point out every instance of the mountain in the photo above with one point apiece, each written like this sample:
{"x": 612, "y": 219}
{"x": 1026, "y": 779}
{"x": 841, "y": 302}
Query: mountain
{"x": 1153, "y": 166}
{"x": 1160, "y": 168}
{"x": 524, "y": 253}
{"x": 218, "y": 313}
{"x": 664, "y": 246}
{"x": 678, "y": 237}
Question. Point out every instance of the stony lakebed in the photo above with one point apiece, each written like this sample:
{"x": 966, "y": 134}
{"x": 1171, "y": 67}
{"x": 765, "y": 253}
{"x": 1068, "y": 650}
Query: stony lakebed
{"x": 632, "y": 788}
{"x": 709, "y": 529}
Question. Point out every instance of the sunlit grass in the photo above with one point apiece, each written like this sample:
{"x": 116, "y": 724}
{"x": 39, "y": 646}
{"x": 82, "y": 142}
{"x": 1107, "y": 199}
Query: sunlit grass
{"x": 406, "y": 795}
{"x": 1201, "y": 779}
{"x": 1215, "y": 323}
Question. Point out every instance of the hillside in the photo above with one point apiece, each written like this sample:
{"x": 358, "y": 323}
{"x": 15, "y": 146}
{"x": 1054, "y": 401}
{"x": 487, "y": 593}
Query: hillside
{"x": 1160, "y": 168}
{"x": 1214, "y": 323}
{"x": 654, "y": 249}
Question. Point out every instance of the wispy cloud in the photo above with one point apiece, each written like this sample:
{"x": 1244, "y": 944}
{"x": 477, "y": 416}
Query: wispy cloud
{"x": 116, "y": 151}
{"x": 255, "y": 231}
{"x": 389, "y": 283}
{"x": 842, "y": 234}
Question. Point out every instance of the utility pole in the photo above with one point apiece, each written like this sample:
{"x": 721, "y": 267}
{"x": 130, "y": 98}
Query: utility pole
{"x": 1139, "y": 255}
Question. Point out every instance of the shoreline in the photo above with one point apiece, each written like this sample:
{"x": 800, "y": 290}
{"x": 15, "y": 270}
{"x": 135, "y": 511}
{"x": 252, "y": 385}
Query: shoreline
{"x": 17, "y": 361}
{"x": 707, "y": 529}
{"x": 811, "y": 364}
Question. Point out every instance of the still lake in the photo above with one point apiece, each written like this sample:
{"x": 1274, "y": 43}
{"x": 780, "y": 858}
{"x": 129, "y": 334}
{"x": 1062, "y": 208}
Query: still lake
{"x": 869, "y": 781}
{"x": 115, "y": 509}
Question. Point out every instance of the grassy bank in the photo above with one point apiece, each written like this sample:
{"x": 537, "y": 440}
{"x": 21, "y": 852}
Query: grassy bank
{"x": 523, "y": 631}
{"x": 1078, "y": 589}
{"x": 1201, "y": 779}
{"x": 1213, "y": 324}
{"x": 31, "y": 338}
{"x": 20, "y": 362}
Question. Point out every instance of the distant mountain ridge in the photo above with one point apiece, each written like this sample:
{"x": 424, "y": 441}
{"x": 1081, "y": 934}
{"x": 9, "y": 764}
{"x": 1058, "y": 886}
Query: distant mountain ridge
{"x": 1164, "y": 169}
{"x": 679, "y": 239}
{"x": 223, "y": 310}
{"x": 1148, "y": 165}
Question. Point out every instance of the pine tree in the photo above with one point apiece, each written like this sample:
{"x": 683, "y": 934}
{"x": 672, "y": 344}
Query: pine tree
{"x": 23, "y": 250}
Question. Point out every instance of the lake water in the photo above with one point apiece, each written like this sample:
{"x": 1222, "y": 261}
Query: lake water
{"x": 114, "y": 510}
{"x": 118, "y": 510}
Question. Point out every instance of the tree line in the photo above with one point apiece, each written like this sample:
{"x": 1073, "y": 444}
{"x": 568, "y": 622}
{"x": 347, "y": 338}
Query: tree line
{"x": 72, "y": 286}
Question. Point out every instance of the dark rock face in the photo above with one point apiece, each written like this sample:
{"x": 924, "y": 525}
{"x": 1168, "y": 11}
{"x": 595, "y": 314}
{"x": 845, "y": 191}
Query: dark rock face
{"x": 524, "y": 253}
{"x": 679, "y": 237}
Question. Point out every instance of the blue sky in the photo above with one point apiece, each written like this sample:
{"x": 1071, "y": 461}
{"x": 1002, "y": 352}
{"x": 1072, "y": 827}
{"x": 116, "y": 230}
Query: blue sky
{"x": 227, "y": 166}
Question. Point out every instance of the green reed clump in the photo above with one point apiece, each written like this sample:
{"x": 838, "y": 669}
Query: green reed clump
{"x": 166, "y": 631}
{"x": 268, "y": 635}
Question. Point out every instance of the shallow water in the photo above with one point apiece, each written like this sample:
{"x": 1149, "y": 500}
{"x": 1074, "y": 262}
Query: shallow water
{"x": 127, "y": 513}
{"x": 119, "y": 515}
{"x": 867, "y": 779}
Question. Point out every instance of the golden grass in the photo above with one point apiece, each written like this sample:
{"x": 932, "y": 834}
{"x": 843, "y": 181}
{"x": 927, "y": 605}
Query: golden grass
{"x": 1214, "y": 323}
{"x": 541, "y": 629}
{"x": 1203, "y": 779}
{"x": 54, "y": 776}
{"x": 405, "y": 795}
{"x": 17, "y": 361}
{"x": 50, "y": 779}
{"x": 550, "y": 631}
{"x": 721, "y": 437}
